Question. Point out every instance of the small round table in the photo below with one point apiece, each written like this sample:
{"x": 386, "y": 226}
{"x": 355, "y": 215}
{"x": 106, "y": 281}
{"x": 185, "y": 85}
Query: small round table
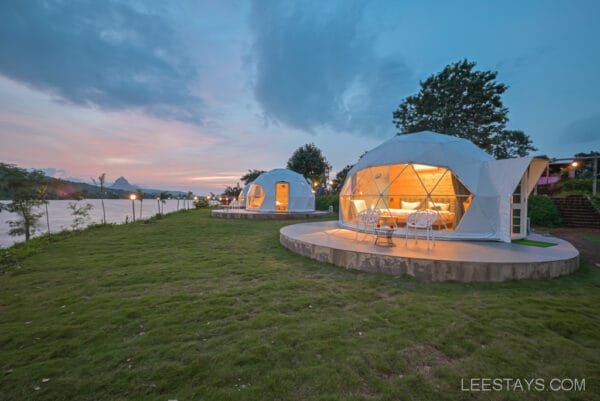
{"x": 384, "y": 233}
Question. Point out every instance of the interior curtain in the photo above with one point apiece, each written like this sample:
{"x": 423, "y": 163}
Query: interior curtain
{"x": 461, "y": 193}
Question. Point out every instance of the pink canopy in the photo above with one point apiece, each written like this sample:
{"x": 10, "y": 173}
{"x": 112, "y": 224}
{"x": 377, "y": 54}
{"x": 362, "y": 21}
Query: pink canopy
{"x": 553, "y": 179}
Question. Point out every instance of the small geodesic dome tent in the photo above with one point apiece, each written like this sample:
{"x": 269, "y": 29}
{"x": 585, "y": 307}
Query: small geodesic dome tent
{"x": 474, "y": 195}
{"x": 280, "y": 190}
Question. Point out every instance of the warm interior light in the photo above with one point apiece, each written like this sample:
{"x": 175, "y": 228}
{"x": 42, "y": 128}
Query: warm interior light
{"x": 132, "y": 196}
{"x": 420, "y": 167}
{"x": 574, "y": 164}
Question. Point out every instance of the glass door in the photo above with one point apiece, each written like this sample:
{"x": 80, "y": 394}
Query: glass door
{"x": 518, "y": 226}
{"x": 282, "y": 191}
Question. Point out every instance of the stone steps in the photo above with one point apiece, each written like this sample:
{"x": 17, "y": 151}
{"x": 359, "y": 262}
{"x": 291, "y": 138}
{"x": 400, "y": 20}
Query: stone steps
{"x": 577, "y": 212}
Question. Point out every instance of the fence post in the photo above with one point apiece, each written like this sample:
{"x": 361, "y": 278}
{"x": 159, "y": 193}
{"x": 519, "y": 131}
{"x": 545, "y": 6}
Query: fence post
{"x": 595, "y": 176}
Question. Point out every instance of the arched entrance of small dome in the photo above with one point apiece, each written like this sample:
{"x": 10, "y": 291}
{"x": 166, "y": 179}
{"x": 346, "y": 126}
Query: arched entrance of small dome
{"x": 255, "y": 197}
{"x": 282, "y": 195}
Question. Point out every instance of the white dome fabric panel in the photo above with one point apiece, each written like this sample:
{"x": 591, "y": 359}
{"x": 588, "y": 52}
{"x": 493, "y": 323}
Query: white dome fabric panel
{"x": 242, "y": 196}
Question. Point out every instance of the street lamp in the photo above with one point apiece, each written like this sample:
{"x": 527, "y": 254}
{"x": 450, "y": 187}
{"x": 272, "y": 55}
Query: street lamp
{"x": 133, "y": 197}
{"x": 574, "y": 164}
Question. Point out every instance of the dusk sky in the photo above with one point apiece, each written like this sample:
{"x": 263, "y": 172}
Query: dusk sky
{"x": 189, "y": 95}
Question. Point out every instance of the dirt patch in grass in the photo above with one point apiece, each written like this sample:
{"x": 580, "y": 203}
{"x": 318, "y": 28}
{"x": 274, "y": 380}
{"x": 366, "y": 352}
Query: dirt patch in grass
{"x": 422, "y": 359}
{"x": 584, "y": 239}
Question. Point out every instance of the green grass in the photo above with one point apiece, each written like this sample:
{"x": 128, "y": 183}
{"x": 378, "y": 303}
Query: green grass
{"x": 593, "y": 238}
{"x": 194, "y": 308}
{"x": 528, "y": 242}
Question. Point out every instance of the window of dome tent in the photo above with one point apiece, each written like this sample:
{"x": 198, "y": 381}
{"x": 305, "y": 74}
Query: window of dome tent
{"x": 398, "y": 190}
{"x": 256, "y": 196}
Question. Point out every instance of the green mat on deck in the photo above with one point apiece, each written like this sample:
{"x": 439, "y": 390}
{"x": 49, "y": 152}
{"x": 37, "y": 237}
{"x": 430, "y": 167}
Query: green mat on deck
{"x": 528, "y": 242}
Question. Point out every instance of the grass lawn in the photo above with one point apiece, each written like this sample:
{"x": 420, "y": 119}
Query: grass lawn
{"x": 193, "y": 308}
{"x": 593, "y": 238}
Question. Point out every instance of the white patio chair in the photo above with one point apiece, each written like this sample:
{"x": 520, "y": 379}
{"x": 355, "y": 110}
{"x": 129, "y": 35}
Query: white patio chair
{"x": 421, "y": 219}
{"x": 232, "y": 205}
{"x": 368, "y": 219}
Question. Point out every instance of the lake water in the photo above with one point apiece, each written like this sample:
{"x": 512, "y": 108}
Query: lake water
{"x": 61, "y": 217}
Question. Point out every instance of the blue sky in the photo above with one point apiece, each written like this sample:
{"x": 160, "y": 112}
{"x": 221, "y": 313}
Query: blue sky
{"x": 189, "y": 95}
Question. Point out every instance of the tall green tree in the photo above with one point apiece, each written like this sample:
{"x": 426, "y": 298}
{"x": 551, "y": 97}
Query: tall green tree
{"x": 250, "y": 176}
{"x": 511, "y": 143}
{"x": 585, "y": 168}
{"x": 466, "y": 103}
{"x": 27, "y": 195}
{"x": 233, "y": 191}
{"x": 340, "y": 178}
{"x": 309, "y": 161}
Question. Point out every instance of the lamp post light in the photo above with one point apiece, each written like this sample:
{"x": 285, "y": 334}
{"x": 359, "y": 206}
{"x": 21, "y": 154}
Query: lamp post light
{"x": 573, "y": 166}
{"x": 133, "y": 197}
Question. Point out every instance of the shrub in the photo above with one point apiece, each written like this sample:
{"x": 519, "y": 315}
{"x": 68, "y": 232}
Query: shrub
{"x": 583, "y": 185}
{"x": 542, "y": 211}
{"x": 201, "y": 203}
{"x": 323, "y": 202}
{"x": 596, "y": 201}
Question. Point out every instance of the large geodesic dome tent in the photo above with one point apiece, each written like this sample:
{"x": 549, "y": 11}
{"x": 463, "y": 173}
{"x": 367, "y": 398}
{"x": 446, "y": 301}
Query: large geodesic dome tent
{"x": 280, "y": 190}
{"x": 474, "y": 195}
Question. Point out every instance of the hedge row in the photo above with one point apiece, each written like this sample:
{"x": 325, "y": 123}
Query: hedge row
{"x": 323, "y": 202}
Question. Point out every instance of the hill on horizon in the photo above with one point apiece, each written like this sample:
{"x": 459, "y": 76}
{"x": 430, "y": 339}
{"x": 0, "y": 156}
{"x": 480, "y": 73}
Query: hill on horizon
{"x": 122, "y": 184}
{"x": 62, "y": 189}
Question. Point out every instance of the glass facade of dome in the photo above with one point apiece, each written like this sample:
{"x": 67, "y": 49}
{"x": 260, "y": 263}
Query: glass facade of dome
{"x": 398, "y": 190}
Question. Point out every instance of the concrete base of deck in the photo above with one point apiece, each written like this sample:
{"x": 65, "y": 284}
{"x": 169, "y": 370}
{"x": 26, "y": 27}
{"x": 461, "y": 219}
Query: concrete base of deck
{"x": 465, "y": 261}
{"x": 255, "y": 215}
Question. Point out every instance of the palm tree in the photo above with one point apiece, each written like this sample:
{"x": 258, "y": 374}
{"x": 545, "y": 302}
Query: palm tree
{"x": 189, "y": 196}
{"x": 163, "y": 196}
{"x": 140, "y": 196}
{"x": 100, "y": 183}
